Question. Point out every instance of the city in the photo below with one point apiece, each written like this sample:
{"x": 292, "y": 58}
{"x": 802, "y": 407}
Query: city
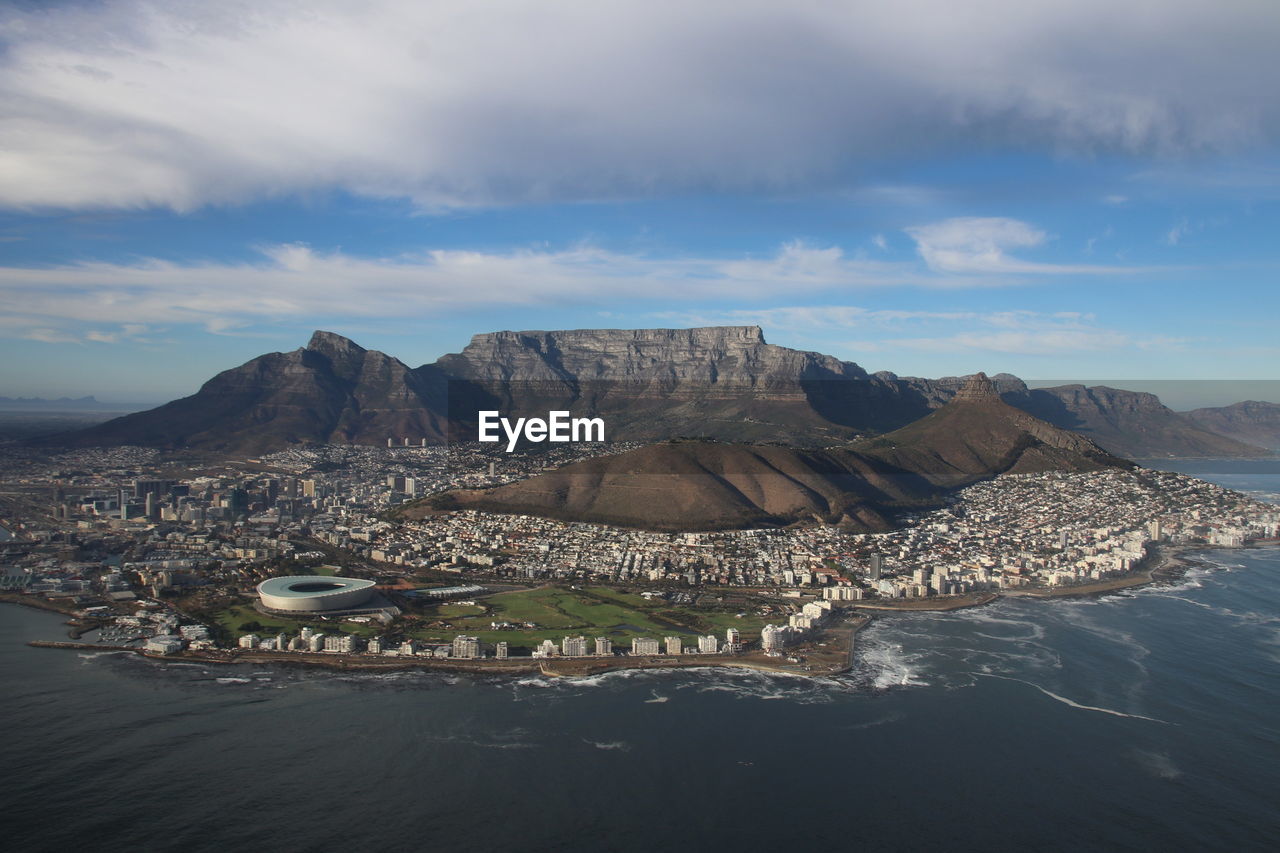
{"x": 163, "y": 554}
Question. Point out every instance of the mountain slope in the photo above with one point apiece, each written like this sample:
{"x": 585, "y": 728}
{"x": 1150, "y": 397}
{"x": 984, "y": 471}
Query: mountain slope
{"x": 977, "y": 435}
{"x": 707, "y": 486}
{"x": 330, "y": 391}
{"x": 725, "y": 383}
{"x": 1129, "y": 423}
{"x": 698, "y": 485}
{"x": 1253, "y": 421}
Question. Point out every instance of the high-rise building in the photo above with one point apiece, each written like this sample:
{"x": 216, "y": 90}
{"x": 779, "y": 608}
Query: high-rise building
{"x": 466, "y": 647}
{"x": 573, "y": 647}
{"x": 770, "y": 638}
{"x": 674, "y": 645}
{"x": 1154, "y": 532}
{"x": 500, "y": 650}
{"x": 644, "y": 646}
{"x": 708, "y": 645}
{"x": 877, "y": 567}
{"x": 604, "y": 646}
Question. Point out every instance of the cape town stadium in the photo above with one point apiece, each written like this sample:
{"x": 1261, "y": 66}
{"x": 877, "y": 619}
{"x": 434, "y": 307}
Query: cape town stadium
{"x": 314, "y": 593}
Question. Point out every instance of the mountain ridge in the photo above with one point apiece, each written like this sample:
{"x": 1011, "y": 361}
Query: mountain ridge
{"x": 726, "y": 383}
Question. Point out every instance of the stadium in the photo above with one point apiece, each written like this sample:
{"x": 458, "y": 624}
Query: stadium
{"x": 314, "y": 593}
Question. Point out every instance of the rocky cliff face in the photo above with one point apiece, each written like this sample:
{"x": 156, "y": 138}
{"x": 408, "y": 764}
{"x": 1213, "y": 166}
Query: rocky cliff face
{"x": 1253, "y": 421}
{"x": 1131, "y": 423}
{"x": 725, "y": 383}
{"x": 722, "y": 382}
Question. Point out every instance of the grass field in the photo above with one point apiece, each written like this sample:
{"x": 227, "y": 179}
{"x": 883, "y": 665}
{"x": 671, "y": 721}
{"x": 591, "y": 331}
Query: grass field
{"x": 591, "y": 612}
{"x": 233, "y": 617}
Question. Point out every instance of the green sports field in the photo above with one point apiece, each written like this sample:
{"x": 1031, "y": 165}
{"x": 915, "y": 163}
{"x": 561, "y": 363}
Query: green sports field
{"x": 590, "y": 611}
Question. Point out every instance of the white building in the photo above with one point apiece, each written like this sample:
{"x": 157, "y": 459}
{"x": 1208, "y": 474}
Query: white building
{"x": 604, "y": 646}
{"x": 708, "y": 645}
{"x": 466, "y": 647}
{"x": 644, "y": 646}
{"x": 674, "y": 645}
{"x": 573, "y": 647}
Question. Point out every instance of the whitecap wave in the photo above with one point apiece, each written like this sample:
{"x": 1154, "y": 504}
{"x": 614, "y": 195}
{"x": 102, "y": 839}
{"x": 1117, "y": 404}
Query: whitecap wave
{"x": 1072, "y": 703}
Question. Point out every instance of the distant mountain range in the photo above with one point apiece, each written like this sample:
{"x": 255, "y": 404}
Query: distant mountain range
{"x": 62, "y": 404}
{"x": 725, "y": 383}
{"x": 1252, "y": 422}
{"x": 699, "y": 485}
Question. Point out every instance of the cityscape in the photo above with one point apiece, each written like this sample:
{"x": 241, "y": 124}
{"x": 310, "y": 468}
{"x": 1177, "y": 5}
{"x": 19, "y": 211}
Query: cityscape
{"x": 167, "y": 543}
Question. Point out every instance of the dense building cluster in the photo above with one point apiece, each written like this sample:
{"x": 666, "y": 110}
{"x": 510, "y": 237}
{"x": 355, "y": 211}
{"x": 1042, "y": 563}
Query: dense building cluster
{"x": 119, "y": 527}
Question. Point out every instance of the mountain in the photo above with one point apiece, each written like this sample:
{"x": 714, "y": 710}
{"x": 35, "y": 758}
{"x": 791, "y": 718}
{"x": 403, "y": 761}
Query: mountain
{"x": 977, "y": 435}
{"x": 702, "y": 485}
{"x": 332, "y": 390}
{"x": 695, "y": 485}
{"x": 725, "y": 383}
{"x": 1129, "y": 423}
{"x": 1253, "y": 421}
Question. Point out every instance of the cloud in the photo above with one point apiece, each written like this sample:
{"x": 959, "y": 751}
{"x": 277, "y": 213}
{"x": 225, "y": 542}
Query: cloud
{"x": 134, "y": 103}
{"x": 292, "y": 281}
{"x": 979, "y": 245}
{"x": 1180, "y": 230}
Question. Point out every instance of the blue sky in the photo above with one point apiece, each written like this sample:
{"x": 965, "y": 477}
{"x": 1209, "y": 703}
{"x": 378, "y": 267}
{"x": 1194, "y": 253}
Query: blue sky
{"x": 1056, "y": 190}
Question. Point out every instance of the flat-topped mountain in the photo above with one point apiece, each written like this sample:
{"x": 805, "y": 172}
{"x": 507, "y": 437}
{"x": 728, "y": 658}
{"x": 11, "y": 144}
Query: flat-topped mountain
{"x": 1253, "y": 422}
{"x": 710, "y": 486}
{"x": 725, "y": 383}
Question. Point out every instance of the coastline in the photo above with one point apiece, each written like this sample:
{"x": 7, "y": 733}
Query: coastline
{"x": 838, "y": 657}
{"x": 830, "y": 653}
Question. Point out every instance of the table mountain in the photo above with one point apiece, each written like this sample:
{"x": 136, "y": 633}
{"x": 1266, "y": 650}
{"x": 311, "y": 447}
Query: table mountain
{"x": 725, "y": 383}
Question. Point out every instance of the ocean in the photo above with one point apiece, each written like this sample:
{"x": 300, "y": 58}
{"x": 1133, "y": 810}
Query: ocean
{"x": 1141, "y": 720}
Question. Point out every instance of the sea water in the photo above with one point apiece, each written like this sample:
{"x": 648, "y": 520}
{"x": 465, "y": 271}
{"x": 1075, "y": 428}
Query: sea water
{"x": 1141, "y": 720}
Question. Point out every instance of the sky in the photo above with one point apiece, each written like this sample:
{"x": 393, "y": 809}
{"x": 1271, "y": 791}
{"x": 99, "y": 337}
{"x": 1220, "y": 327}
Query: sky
{"x": 1080, "y": 189}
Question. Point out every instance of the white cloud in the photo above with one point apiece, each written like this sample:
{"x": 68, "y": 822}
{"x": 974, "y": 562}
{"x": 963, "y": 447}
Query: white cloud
{"x": 129, "y": 103}
{"x": 294, "y": 281}
{"x": 979, "y": 245}
{"x": 1017, "y": 332}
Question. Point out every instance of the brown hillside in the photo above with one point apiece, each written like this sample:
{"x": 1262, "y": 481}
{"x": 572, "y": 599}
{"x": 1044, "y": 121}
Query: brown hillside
{"x": 695, "y": 485}
{"x": 977, "y": 435}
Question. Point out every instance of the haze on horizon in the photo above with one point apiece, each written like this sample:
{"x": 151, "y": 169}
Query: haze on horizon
{"x": 1060, "y": 189}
